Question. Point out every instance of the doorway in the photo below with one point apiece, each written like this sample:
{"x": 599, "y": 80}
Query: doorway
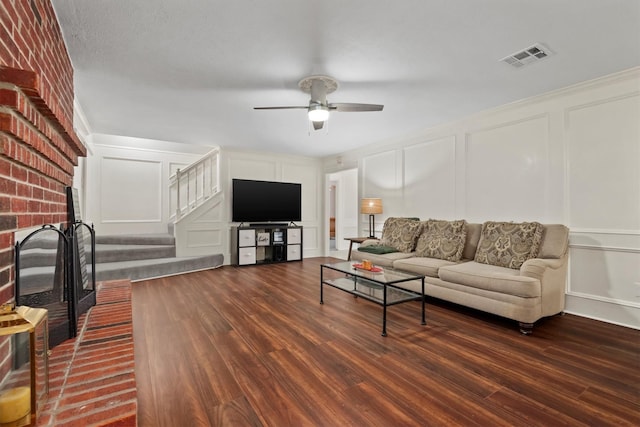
{"x": 342, "y": 211}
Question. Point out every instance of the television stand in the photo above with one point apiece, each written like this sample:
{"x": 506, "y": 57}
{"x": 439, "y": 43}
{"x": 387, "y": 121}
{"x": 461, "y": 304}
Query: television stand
{"x": 265, "y": 244}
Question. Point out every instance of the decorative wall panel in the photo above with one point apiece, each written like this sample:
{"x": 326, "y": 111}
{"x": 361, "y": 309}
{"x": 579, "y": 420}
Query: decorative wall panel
{"x": 204, "y": 238}
{"x": 572, "y": 156}
{"x": 606, "y": 274}
{"x": 430, "y": 179}
{"x": 603, "y": 146}
{"x": 308, "y": 177}
{"x": 382, "y": 177}
{"x": 506, "y": 171}
{"x": 131, "y": 190}
{"x": 311, "y": 239}
{"x": 244, "y": 168}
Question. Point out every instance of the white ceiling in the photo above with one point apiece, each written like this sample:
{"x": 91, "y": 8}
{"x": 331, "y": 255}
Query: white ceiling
{"x": 190, "y": 71}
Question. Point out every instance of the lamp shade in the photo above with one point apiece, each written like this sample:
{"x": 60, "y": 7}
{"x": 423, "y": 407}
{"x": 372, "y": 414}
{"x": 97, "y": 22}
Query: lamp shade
{"x": 371, "y": 206}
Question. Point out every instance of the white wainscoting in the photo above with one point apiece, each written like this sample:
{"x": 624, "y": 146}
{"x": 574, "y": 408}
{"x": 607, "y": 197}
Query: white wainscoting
{"x": 127, "y": 183}
{"x": 603, "y": 207}
{"x": 604, "y": 274}
{"x": 203, "y": 231}
{"x": 284, "y": 168}
{"x": 571, "y": 156}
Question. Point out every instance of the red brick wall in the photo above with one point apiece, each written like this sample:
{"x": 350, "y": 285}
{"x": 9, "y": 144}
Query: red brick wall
{"x": 38, "y": 147}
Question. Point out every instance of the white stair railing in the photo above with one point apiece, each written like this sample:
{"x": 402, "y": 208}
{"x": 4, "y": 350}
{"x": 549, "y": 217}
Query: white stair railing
{"x": 192, "y": 186}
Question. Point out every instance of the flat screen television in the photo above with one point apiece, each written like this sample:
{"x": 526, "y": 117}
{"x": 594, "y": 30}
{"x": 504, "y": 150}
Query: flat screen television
{"x": 265, "y": 201}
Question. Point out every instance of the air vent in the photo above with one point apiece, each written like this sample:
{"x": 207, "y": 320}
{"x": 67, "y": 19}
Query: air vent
{"x": 532, "y": 54}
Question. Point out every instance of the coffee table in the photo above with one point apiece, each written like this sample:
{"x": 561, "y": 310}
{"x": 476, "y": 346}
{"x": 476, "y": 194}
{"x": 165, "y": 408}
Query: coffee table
{"x": 379, "y": 287}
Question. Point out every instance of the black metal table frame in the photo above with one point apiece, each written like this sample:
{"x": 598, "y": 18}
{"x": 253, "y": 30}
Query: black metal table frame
{"x": 354, "y": 274}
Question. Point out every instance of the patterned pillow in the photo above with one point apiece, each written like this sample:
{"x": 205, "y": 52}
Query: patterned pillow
{"x": 401, "y": 233}
{"x": 508, "y": 244}
{"x": 442, "y": 240}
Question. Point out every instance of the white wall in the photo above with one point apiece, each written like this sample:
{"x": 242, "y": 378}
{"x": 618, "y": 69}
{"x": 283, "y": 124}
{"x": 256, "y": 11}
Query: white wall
{"x": 125, "y": 182}
{"x": 127, "y": 179}
{"x": 280, "y": 167}
{"x": 571, "y": 157}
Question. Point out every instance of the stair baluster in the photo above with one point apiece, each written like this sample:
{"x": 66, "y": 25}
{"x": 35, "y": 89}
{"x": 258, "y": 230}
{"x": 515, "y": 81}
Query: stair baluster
{"x": 191, "y": 186}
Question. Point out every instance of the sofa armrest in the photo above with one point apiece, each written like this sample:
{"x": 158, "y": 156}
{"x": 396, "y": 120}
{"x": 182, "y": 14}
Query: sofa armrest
{"x": 370, "y": 242}
{"x": 552, "y": 274}
{"x": 536, "y": 267}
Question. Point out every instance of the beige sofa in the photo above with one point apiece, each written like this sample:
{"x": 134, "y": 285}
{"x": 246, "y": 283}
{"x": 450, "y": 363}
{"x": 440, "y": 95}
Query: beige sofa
{"x": 525, "y": 294}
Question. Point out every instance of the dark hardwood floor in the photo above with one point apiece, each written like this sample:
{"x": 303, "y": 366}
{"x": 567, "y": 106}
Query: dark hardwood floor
{"x": 253, "y": 346}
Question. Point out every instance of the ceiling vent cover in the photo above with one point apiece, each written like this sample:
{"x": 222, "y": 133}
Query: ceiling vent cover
{"x": 532, "y": 54}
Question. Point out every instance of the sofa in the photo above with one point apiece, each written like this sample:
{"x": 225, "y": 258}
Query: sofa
{"x": 514, "y": 270}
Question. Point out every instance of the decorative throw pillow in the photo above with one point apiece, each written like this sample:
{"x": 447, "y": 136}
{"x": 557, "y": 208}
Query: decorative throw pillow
{"x": 442, "y": 240}
{"x": 401, "y": 233}
{"x": 378, "y": 249}
{"x": 508, "y": 244}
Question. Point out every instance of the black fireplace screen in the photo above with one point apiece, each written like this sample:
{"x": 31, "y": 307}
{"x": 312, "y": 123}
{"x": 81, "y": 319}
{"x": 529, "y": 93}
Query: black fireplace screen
{"x": 83, "y": 248}
{"x": 42, "y": 274}
{"x": 52, "y": 273}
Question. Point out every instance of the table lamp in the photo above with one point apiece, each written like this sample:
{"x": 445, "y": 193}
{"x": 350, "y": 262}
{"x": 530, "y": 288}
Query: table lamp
{"x": 371, "y": 206}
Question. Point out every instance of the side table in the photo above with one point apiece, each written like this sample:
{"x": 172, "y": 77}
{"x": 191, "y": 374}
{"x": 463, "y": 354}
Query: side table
{"x": 358, "y": 240}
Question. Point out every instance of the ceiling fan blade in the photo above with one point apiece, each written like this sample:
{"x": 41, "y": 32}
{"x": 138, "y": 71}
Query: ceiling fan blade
{"x": 350, "y": 107}
{"x": 281, "y": 108}
{"x": 317, "y": 125}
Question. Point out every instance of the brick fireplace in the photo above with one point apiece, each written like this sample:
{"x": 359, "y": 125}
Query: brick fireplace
{"x": 38, "y": 146}
{"x": 38, "y": 152}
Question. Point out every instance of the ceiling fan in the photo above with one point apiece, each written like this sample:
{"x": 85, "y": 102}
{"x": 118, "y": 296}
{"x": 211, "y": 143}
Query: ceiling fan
{"x": 318, "y": 108}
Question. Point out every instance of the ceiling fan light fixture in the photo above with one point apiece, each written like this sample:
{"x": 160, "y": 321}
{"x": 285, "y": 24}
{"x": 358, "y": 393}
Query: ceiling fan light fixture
{"x": 318, "y": 113}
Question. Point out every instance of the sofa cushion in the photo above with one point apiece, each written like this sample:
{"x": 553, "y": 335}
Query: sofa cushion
{"x": 421, "y": 265}
{"x": 473, "y": 238}
{"x": 442, "y": 239}
{"x": 492, "y": 278}
{"x": 401, "y": 233}
{"x": 508, "y": 244}
{"x": 377, "y": 249}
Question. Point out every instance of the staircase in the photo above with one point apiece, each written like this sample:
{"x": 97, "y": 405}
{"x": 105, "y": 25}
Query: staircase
{"x": 145, "y": 256}
{"x": 195, "y": 202}
{"x": 134, "y": 257}
{"x": 192, "y": 190}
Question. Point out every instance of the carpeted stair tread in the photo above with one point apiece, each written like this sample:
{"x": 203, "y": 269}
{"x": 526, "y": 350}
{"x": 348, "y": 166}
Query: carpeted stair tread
{"x": 136, "y": 239}
{"x": 159, "y": 267}
{"x": 104, "y": 253}
{"x": 114, "y": 253}
{"x": 134, "y": 257}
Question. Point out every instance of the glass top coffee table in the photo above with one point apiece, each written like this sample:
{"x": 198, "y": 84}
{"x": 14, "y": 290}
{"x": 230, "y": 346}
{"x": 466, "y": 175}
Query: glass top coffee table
{"x": 379, "y": 287}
